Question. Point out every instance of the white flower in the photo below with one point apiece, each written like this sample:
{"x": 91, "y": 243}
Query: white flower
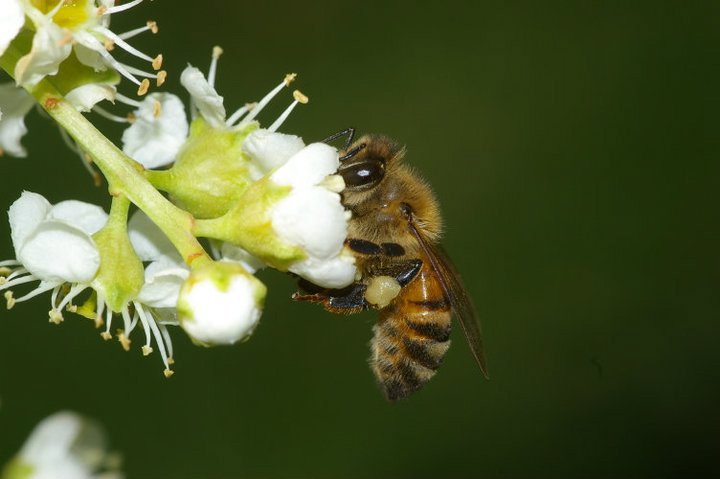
{"x": 270, "y": 150}
{"x": 63, "y": 446}
{"x": 15, "y": 103}
{"x": 61, "y": 27}
{"x": 312, "y": 217}
{"x": 158, "y": 131}
{"x": 220, "y": 303}
{"x": 53, "y": 245}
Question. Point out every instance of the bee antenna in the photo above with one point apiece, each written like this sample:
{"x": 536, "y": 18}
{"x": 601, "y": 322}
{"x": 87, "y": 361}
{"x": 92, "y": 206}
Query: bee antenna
{"x": 350, "y": 132}
{"x": 353, "y": 152}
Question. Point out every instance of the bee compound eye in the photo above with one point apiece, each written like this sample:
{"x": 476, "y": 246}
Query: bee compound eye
{"x": 363, "y": 174}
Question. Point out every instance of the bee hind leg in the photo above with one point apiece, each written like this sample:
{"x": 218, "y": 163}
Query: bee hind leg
{"x": 348, "y": 300}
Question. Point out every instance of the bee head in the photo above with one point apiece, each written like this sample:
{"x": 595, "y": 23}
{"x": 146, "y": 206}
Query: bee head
{"x": 366, "y": 162}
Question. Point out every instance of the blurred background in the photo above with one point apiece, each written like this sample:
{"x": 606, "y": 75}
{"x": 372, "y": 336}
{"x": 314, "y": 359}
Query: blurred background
{"x": 574, "y": 148}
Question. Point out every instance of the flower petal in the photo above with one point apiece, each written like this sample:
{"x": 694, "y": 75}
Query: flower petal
{"x": 85, "y": 216}
{"x": 312, "y": 218}
{"x": 204, "y": 96}
{"x": 220, "y": 304}
{"x": 49, "y": 48}
{"x": 11, "y": 21}
{"x": 149, "y": 242}
{"x": 25, "y": 215}
{"x": 269, "y": 149}
{"x": 57, "y": 251}
{"x": 159, "y": 130}
{"x": 15, "y": 103}
{"x": 334, "y": 273}
{"x": 231, "y": 252}
{"x": 163, "y": 280}
{"x": 84, "y": 97}
{"x": 308, "y": 167}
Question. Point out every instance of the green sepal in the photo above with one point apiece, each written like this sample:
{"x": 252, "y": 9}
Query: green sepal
{"x": 211, "y": 171}
{"x": 89, "y": 308}
{"x": 121, "y": 274}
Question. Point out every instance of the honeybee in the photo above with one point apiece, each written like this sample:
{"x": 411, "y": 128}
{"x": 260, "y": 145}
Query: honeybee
{"x": 404, "y": 273}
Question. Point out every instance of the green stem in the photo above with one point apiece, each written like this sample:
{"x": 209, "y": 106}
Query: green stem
{"x": 124, "y": 176}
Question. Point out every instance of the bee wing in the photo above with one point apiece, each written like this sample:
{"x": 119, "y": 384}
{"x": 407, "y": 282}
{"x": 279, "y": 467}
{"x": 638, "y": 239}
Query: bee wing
{"x": 460, "y": 301}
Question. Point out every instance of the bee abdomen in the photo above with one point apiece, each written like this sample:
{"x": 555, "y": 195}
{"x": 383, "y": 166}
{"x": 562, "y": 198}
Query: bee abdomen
{"x": 407, "y": 349}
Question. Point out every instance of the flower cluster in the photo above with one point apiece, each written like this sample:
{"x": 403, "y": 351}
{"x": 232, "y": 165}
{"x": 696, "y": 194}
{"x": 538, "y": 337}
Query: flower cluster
{"x": 260, "y": 197}
{"x": 70, "y": 42}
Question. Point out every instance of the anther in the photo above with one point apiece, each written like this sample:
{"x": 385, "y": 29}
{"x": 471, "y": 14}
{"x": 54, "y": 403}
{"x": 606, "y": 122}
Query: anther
{"x": 168, "y": 372}
{"x": 300, "y": 98}
{"x": 124, "y": 341}
{"x": 9, "y": 299}
{"x": 289, "y": 78}
{"x": 153, "y": 26}
{"x": 157, "y": 109}
{"x": 144, "y": 87}
{"x": 109, "y": 45}
{"x": 106, "y": 336}
{"x": 217, "y": 51}
{"x": 161, "y": 76}
{"x": 146, "y": 350}
{"x": 157, "y": 62}
{"x": 55, "y": 316}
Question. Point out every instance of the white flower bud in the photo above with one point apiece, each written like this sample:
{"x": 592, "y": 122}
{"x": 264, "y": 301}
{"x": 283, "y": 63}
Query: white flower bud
{"x": 220, "y": 304}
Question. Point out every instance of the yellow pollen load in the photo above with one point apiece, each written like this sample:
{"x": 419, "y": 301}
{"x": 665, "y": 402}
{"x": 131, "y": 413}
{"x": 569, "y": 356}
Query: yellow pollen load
{"x": 73, "y": 13}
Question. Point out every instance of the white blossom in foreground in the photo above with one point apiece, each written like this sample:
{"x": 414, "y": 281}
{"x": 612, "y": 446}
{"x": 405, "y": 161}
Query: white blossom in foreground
{"x": 64, "y": 446}
{"x": 15, "y": 103}
{"x": 312, "y": 217}
{"x": 54, "y": 246}
{"x": 220, "y": 303}
{"x": 157, "y": 132}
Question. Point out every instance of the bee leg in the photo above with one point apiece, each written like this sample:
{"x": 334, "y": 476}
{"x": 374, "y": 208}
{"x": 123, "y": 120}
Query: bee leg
{"x": 348, "y": 300}
{"x": 350, "y": 132}
{"x": 402, "y": 271}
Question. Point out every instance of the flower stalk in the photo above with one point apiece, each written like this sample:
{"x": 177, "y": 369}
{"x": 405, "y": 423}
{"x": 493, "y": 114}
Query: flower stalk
{"x": 124, "y": 176}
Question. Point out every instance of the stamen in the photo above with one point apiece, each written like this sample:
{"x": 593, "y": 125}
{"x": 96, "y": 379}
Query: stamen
{"x": 148, "y": 319}
{"x": 39, "y": 290}
{"x": 157, "y": 109}
{"x": 123, "y": 340}
{"x": 217, "y": 51}
{"x": 74, "y": 291}
{"x": 106, "y": 335}
{"x": 266, "y": 99}
{"x": 10, "y": 282}
{"x": 152, "y": 26}
{"x": 122, "y": 43}
{"x": 157, "y": 62}
{"x": 239, "y": 113}
{"x": 168, "y": 342}
{"x": 161, "y": 76}
{"x": 55, "y": 316}
{"x": 10, "y": 262}
{"x": 127, "y": 100}
{"x": 9, "y": 300}
{"x": 121, "y": 8}
{"x": 144, "y": 87}
{"x": 299, "y": 98}
{"x": 109, "y": 116}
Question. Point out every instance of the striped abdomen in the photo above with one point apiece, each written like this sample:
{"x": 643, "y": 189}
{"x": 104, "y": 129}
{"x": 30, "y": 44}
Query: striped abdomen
{"x": 411, "y": 336}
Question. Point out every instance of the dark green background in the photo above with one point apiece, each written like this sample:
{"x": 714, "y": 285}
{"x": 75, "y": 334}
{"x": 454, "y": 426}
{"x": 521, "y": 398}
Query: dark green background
{"x": 574, "y": 148}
